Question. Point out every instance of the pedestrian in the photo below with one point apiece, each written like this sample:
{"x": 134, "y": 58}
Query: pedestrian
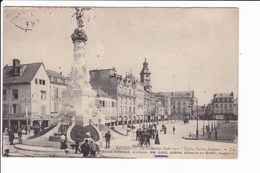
{"x": 157, "y": 141}
{"x": 216, "y": 134}
{"x": 173, "y": 129}
{"x": 153, "y": 133}
{"x": 77, "y": 146}
{"x": 63, "y": 144}
{"x": 141, "y": 138}
{"x": 20, "y": 134}
{"x": 165, "y": 129}
{"x": 107, "y": 137}
{"x": 209, "y": 134}
{"x": 11, "y": 136}
{"x": 6, "y": 154}
{"x": 148, "y": 138}
{"x": 93, "y": 148}
{"x": 137, "y": 134}
{"x": 85, "y": 148}
{"x": 6, "y": 131}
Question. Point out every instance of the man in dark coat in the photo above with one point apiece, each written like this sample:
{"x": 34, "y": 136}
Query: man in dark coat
{"x": 11, "y": 136}
{"x": 63, "y": 145}
{"x": 77, "y": 146}
{"x": 107, "y": 137}
{"x": 20, "y": 134}
{"x": 85, "y": 148}
{"x": 137, "y": 134}
{"x": 148, "y": 139}
{"x": 165, "y": 129}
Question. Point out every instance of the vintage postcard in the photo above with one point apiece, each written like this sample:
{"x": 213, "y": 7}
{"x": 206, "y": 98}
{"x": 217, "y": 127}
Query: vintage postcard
{"x": 114, "y": 82}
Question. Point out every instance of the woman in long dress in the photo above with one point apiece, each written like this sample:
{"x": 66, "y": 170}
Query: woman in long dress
{"x": 157, "y": 141}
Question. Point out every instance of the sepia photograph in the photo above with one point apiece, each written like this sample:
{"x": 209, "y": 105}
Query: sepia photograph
{"x": 120, "y": 82}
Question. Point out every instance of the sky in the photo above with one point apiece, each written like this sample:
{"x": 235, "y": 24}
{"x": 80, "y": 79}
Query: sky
{"x": 186, "y": 48}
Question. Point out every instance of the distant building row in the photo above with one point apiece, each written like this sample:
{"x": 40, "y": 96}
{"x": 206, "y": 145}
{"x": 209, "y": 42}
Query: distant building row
{"x": 32, "y": 96}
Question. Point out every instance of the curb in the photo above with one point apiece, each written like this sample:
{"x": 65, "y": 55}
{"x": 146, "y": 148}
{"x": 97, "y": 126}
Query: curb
{"x": 190, "y": 138}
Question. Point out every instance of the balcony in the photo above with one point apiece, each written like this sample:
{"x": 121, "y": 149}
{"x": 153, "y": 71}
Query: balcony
{"x": 122, "y": 93}
{"x": 14, "y": 116}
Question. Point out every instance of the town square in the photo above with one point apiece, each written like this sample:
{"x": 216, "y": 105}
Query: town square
{"x": 120, "y": 82}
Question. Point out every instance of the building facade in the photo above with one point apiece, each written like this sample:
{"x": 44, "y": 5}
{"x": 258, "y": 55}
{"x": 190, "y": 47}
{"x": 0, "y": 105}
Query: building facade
{"x": 107, "y": 109}
{"x": 25, "y": 95}
{"x": 30, "y": 95}
{"x": 202, "y": 112}
{"x": 150, "y": 101}
{"x": 127, "y": 91}
{"x": 58, "y": 83}
{"x": 181, "y": 104}
{"x": 223, "y": 106}
{"x": 236, "y": 109}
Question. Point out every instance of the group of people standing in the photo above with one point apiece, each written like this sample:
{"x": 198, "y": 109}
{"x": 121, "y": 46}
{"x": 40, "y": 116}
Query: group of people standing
{"x": 11, "y": 135}
{"x": 209, "y": 132}
{"x": 89, "y": 148}
{"x": 144, "y": 135}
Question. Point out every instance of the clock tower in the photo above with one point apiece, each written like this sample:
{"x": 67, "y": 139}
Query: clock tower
{"x": 145, "y": 77}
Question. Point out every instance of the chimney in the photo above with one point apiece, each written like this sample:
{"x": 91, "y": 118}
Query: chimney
{"x": 16, "y": 63}
{"x": 16, "y": 67}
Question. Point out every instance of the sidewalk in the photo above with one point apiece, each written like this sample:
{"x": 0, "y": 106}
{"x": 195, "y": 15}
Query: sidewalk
{"x": 226, "y": 133}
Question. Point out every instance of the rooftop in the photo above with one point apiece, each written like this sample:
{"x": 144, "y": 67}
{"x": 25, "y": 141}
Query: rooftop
{"x": 27, "y": 74}
{"x": 52, "y": 73}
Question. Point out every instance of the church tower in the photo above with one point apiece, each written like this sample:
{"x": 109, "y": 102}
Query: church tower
{"x": 145, "y": 77}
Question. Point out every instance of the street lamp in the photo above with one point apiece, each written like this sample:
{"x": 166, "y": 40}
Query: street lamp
{"x": 197, "y": 125}
{"x": 203, "y": 119}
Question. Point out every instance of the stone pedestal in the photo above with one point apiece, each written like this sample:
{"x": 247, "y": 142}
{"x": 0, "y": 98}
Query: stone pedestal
{"x": 82, "y": 102}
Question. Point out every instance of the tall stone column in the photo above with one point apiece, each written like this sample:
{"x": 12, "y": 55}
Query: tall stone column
{"x": 79, "y": 98}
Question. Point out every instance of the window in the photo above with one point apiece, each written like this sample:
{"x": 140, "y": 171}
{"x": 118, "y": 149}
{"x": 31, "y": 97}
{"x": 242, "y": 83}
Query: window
{"x": 125, "y": 109}
{"x": 15, "y": 93}
{"x": 36, "y": 81}
{"x": 221, "y": 105}
{"x": 5, "y": 109}
{"x": 42, "y": 82}
{"x": 125, "y": 100}
{"x": 55, "y": 92}
{"x": 226, "y": 105}
{"x": 113, "y": 104}
{"x": 216, "y": 105}
{"x": 43, "y": 110}
{"x": 134, "y": 110}
{"x": 43, "y": 95}
{"x": 129, "y": 91}
{"x": 230, "y": 105}
{"x": 130, "y": 110}
{"x": 134, "y": 101}
{"x": 103, "y": 104}
{"x": 55, "y": 107}
{"x": 4, "y": 94}
{"x": 14, "y": 109}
